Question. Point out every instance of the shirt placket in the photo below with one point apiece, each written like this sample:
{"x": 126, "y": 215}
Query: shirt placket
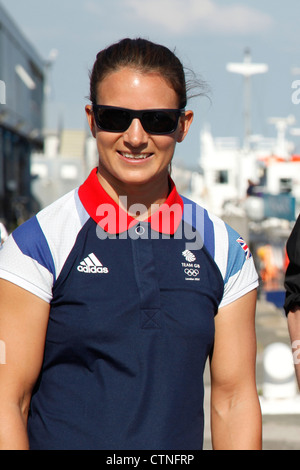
{"x": 146, "y": 278}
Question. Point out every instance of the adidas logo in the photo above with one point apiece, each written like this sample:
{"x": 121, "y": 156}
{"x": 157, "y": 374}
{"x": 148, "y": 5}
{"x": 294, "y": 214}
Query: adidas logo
{"x": 91, "y": 265}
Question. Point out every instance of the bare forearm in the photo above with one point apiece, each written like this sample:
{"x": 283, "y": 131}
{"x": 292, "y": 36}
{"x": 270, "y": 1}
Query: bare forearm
{"x": 294, "y": 331}
{"x": 237, "y": 427}
{"x": 13, "y": 429}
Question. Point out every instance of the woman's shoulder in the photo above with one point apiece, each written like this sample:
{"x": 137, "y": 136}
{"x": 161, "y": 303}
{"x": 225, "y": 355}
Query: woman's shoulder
{"x": 49, "y": 236}
{"x": 69, "y": 204}
{"x": 210, "y": 226}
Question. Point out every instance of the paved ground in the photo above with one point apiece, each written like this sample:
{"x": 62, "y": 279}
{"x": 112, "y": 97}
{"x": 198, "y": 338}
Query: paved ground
{"x": 280, "y": 431}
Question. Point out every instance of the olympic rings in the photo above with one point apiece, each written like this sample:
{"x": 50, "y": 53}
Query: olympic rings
{"x": 191, "y": 272}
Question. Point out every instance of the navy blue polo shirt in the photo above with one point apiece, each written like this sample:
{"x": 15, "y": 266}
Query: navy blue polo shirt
{"x": 131, "y": 325}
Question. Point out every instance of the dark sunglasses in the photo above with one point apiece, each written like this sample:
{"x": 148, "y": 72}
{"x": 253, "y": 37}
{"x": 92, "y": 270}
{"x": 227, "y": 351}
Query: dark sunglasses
{"x": 154, "y": 121}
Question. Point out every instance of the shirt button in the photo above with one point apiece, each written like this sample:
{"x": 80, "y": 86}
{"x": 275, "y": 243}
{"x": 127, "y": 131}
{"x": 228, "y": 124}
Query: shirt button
{"x": 139, "y": 230}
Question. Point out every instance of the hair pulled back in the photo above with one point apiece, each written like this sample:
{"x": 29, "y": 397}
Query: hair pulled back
{"x": 142, "y": 55}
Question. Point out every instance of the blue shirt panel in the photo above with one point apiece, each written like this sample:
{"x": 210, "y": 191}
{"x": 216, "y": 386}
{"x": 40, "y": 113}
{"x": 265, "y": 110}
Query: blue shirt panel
{"x": 237, "y": 256}
{"x": 32, "y": 242}
{"x": 198, "y": 218}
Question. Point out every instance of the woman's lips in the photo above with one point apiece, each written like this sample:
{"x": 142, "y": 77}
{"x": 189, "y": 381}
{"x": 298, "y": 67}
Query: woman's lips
{"x": 135, "y": 156}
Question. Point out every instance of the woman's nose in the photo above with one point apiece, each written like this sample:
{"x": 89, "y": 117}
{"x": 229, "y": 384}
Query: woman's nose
{"x": 135, "y": 135}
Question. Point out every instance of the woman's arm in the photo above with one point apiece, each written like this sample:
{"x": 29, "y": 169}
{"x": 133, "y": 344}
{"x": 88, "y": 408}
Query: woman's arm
{"x": 294, "y": 331}
{"x": 292, "y": 297}
{"x": 235, "y": 410}
{"x": 23, "y": 325}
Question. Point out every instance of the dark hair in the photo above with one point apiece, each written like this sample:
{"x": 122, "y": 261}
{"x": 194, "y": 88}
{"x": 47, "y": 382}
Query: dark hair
{"x": 142, "y": 55}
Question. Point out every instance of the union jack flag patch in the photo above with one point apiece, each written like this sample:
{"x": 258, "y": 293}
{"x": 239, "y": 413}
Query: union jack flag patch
{"x": 245, "y": 247}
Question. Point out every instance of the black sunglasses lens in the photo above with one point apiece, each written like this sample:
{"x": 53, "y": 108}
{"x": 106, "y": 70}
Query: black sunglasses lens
{"x": 160, "y": 122}
{"x": 114, "y": 120}
{"x": 153, "y": 121}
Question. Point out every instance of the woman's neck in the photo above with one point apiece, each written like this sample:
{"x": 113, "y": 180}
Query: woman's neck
{"x": 142, "y": 198}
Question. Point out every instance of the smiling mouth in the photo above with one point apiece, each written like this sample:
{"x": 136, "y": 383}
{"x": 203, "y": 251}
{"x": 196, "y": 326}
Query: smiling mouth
{"x": 135, "y": 156}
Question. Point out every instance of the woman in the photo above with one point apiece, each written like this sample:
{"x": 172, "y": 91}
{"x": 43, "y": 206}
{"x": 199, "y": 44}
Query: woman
{"x": 292, "y": 293}
{"x": 113, "y": 298}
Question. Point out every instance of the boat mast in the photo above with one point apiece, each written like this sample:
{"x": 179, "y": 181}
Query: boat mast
{"x": 247, "y": 69}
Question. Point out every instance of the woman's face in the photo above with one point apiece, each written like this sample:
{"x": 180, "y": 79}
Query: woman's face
{"x": 134, "y": 157}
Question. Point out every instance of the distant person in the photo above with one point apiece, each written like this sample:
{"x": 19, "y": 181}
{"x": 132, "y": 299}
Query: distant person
{"x": 114, "y": 297}
{"x": 292, "y": 296}
{"x": 251, "y": 188}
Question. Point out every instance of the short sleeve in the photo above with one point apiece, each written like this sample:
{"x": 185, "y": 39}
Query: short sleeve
{"x": 25, "y": 260}
{"x": 35, "y": 253}
{"x": 241, "y": 276}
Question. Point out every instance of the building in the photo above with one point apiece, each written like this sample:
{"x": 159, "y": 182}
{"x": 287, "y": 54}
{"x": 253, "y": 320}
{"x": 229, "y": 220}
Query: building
{"x": 21, "y": 119}
{"x": 67, "y": 159}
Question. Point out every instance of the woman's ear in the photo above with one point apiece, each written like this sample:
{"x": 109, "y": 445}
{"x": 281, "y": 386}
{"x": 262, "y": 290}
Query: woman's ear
{"x": 184, "y": 125}
{"x": 90, "y": 118}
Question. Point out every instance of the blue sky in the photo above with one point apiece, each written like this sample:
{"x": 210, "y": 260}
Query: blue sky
{"x": 207, "y": 34}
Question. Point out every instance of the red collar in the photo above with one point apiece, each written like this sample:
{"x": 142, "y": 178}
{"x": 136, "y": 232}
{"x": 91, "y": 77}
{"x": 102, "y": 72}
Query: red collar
{"x": 108, "y": 214}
